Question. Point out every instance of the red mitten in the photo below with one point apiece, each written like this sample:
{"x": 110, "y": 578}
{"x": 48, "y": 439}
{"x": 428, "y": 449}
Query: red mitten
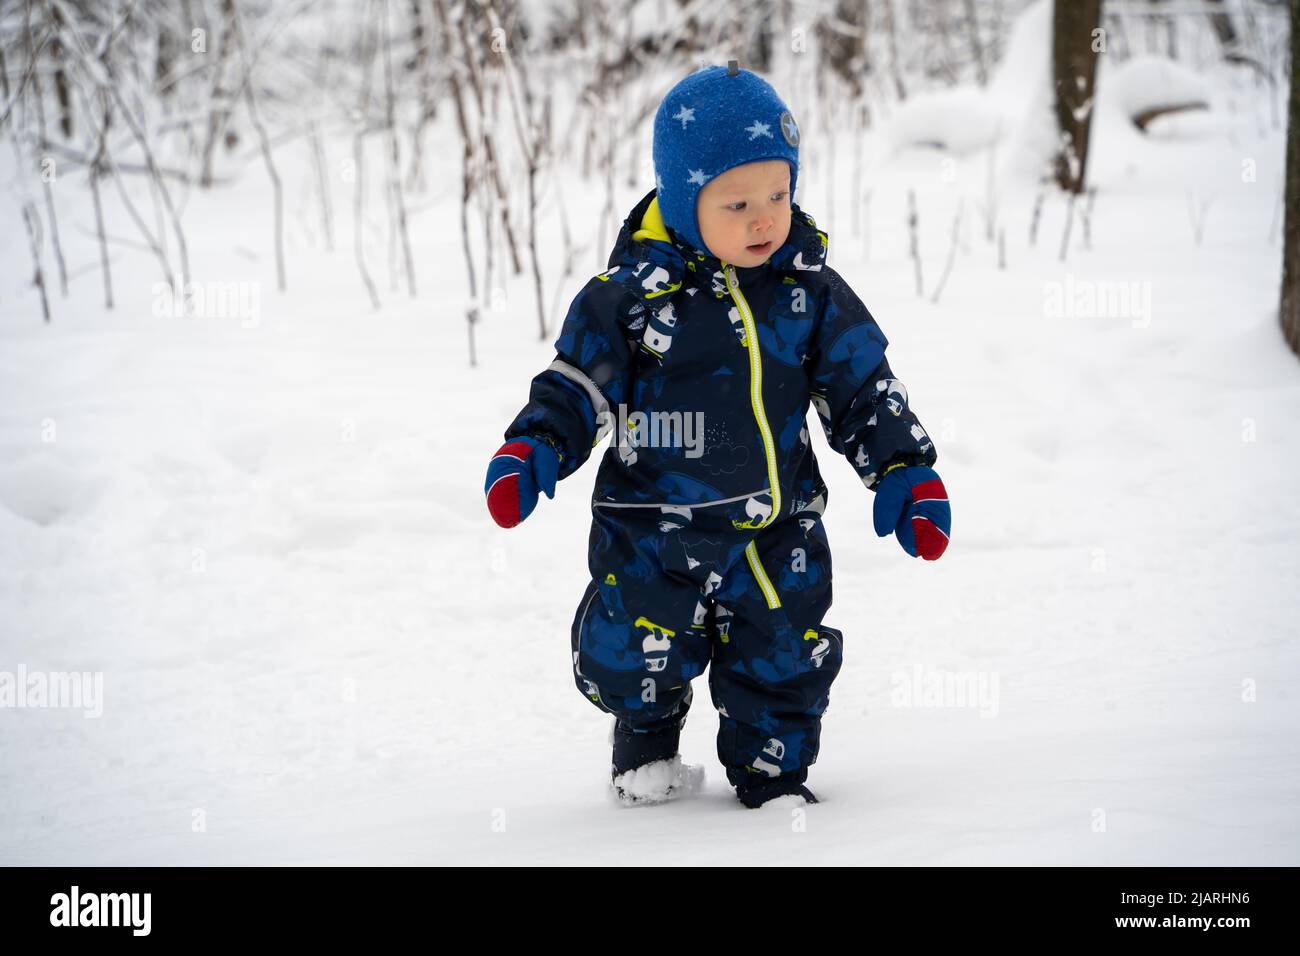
{"x": 517, "y": 471}
{"x": 913, "y": 503}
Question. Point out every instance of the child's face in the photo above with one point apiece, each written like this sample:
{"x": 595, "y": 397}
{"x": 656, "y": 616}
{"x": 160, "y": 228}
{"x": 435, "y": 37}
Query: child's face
{"x": 746, "y": 205}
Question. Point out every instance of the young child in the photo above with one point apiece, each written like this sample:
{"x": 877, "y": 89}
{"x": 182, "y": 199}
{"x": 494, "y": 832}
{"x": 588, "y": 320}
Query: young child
{"x": 701, "y": 346}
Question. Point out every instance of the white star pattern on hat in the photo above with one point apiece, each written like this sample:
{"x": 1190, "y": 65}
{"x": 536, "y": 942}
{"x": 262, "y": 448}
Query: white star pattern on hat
{"x": 685, "y": 114}
{"x": 696, "y": 177}
{"x": 759, "y": 129}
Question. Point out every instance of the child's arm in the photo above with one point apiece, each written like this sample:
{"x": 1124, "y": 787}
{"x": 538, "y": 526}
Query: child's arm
{"x": 864, "y": 409}
{"x": 572, "y": 398}
{"x": 571, "y": 402}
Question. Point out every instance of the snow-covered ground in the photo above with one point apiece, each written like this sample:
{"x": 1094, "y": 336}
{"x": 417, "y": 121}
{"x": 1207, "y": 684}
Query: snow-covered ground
{"x": 269, "y": 538}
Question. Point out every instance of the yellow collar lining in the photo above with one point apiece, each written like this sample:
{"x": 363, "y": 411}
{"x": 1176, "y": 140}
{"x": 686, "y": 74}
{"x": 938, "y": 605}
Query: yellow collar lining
{"x": 652, "y": 224}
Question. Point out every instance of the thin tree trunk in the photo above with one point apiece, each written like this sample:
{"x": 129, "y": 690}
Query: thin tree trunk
{"x": 914, "y": 247}
{"x": 1074, "y": 64}
{"x": 61, "y": 89}
{"x": 529, "y": 134}
{"x": 265, "y": 141}
{"x": 398, "y": 201}
{"x": 976, "y": 44}
{"x": 1223, "y": 28}
{"x": 102, "y": 165}
{"x": 891, "y": 33}
{"x": 322, "y": 185}
{"x": 47, "y": 173}
{"x": 471, "y": 312}
{"x": 33, "y": 223}
{"x": 168, "y": 50}
{"x": 1290, "y": 307}
{"x": 95, "y": 172}
{"x": 468, "y": 179}
{"x": 470, "y": 53}
{"x": 359, "y": 160}
{"x": 220, "y": 97}
{"x": 843, "y": 34}
{"x": 763, "y": 16}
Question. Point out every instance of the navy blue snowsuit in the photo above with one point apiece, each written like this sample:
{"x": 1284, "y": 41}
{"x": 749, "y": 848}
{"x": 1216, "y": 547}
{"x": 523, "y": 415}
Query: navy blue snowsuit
{"x": 707, "y": 545}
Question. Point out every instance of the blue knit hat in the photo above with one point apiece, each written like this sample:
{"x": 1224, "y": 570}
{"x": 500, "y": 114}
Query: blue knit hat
{"x": 710, "y": 122}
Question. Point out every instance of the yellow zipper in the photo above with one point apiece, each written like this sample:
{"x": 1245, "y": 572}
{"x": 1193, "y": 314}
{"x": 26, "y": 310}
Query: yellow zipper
{"x": 756, "y": 400}
{"x": 764, "y": 582}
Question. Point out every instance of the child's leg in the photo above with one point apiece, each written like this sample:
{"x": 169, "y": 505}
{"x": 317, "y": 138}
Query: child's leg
{"x": 638, "y": 639}
{"x": 773, "y": 660}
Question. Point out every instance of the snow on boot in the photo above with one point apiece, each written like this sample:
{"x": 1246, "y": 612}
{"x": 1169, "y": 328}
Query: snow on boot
{"x": 657, "y": 782}
{"x": 646, "y": 768}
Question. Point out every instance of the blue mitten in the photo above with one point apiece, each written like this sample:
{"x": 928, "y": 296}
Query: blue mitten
{"x": 913, "y": 503}
{"x": 519, "y": 468}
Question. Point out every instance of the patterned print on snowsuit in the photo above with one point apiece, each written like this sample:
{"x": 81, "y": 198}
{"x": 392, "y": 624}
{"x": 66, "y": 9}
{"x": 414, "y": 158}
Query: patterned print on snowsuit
{"x": 707, "y": 544}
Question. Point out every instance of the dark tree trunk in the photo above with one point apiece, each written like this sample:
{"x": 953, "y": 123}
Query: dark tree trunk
{"x": 1223, "y": 29}
{"x": 1074, "y": 67}
{"x": 165, "y": 64}
{"x": 844, "y": 42}
{"x": 419, "y": 47}
{"x": 761, "y": 53}
{"x": 976, "y": 44}
{"x": 891, "y": 34}
{"x": 61, "y": 89}
{"x": 219, "y": 118}
{"x": 1290, "y": 311}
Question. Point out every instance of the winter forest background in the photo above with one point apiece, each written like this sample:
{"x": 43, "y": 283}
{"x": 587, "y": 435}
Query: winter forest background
{"x": 275, "y": 277}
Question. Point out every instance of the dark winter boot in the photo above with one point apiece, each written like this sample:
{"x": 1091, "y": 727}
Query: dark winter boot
{"x": 634, "y": 749}
{"x": 646, "y": 767}
{"x": 757, "y": 795}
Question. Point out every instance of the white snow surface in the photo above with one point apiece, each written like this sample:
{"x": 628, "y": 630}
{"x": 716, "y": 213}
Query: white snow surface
{"x": 269, "y": 538}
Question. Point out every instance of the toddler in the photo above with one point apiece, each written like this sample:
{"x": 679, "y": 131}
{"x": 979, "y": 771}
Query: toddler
{"x": 701, "y": 346}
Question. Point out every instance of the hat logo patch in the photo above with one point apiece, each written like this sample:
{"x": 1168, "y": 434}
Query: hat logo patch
{"x": 788, "y": 129}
